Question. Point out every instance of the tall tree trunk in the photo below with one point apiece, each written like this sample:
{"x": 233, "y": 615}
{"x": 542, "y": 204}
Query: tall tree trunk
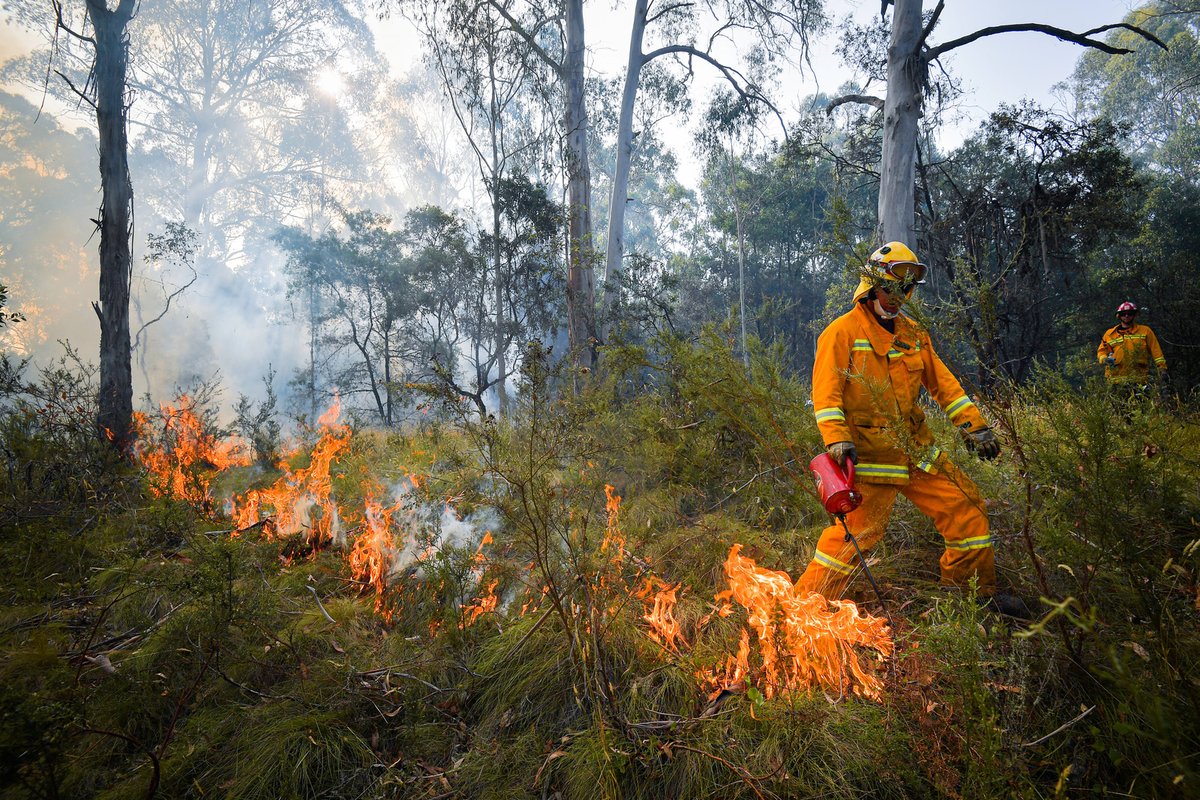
{"x": 740, "y": 216}
{"x": 115, "y": 418}
{"x": 388, "y": 393}
{"x": 497, "y": 262}
{"x": 901, "y": 113}
{"x": 581, "y": 281}
{"x": 620, "y": 187}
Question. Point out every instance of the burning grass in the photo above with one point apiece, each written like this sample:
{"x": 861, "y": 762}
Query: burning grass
{"x": 805, "y": 642}
{"x": 582, "y": 640}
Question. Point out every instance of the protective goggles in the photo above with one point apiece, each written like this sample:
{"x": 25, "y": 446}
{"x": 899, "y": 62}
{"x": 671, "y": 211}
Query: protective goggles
{"x": 905, "y": 273}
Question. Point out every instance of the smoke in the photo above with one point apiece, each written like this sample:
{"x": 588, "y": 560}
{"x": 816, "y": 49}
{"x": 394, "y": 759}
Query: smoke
{"x": 427, "y": 530}
{"x": 226, "y": 325}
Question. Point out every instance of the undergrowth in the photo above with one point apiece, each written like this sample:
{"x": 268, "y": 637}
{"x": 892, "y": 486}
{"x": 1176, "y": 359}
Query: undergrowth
{"x": 150, "y": 651}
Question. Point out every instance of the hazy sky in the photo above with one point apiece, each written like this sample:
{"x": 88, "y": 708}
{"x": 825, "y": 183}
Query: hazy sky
{"x": 993, "y": 70}
{"x": 1002, "y": 68}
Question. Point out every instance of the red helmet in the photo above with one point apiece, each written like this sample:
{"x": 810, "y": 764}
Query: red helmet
{"x": 1127, "y": 308}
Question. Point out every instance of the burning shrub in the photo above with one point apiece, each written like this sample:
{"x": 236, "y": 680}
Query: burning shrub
{"x": 182, "y": 450}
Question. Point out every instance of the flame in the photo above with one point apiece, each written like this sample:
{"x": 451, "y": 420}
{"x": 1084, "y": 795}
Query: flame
{"x": 327, "y": 419}
{"x": 804, "y": 640}
{"x": 664, "y": 628}
{"x": 180, "y": 456}
{"x": 373, "y": 553}
{"x": 297, "y": 496}
{"x": 612, "y": 530}
{"x": 485, "y": 604}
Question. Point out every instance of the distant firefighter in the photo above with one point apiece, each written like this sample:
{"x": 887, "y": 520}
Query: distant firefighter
{"x": 870, "y": 367}
{"x": 1127, "y": 349}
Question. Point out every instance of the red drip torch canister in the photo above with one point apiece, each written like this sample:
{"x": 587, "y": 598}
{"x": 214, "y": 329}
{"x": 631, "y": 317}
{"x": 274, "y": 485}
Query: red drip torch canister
{"x": 836, "y": 488}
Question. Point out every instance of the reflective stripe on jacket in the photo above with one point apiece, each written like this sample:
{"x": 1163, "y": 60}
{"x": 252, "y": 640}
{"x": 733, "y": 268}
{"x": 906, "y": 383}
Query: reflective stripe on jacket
{"x": 866, "y": 384}
{"x": 1133, "y": 348}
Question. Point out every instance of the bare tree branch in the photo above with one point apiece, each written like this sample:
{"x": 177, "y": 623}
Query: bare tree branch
{"x": 519, "y": 30}
{"x": 865, "y": 99}
{"x": 667, "y": 10}
{"x": 1081, "y": 39}
{"x": 61, "y": 24}
{"x": 735, "y": 78}
{"x": 1145, "y": 34}
{"x": 929, "y": 26}
{"x": 137, "y": 337}
{"x": 80, "y": 93}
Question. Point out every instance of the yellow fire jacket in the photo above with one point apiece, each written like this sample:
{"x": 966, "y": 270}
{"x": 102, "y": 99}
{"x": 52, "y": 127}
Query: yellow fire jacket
{"x": 866, "y": 384}
{"x": 1133, "y": 349}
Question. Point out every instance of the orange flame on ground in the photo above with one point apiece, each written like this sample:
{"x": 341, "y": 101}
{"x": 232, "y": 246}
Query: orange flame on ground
{"x": 664, "y": 628}
{"x": 373, "y": 551}
{"x": 485, "y": 604}
{"x": 804, "y": 640}
{"x": 181, "y": 457}
{"x": 613, "y": 538}
{"x": 295, "y": 495}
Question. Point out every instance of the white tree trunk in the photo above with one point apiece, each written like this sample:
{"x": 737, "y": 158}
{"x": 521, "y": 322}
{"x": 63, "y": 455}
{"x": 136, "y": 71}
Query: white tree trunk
{"x": 901, "y": 114}
{"x": 620, "y": 187}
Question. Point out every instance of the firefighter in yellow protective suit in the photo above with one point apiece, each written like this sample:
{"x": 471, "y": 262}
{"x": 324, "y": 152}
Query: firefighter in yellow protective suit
{"x": 1128, "y": 349}
{"x": 870, "y": 366}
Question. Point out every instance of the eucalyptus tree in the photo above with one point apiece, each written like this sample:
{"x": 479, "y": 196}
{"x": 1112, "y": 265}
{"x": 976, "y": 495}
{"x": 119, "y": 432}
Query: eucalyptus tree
{"x": 532, "y": 293}
{"x": 1029, "y": 204}
{"x": 775, "y": 25}
{"x": 774, "y": 210}
{"x": 727, "y": 137}
{"x": 1152, "y": 94}
{"x": 226, "y": 106}
{"x": 909, "y": 57}
{"x": 489, "y": 73}
{"x": 234, "y": 123}
{"x": 553, "y": 34}
{"x": 364, "y": 277}
{"x": 458, "y": 338}
{"x": 97, "y": 36}
{"x": 48, "y": 184}
{"x": 652, "y": 205}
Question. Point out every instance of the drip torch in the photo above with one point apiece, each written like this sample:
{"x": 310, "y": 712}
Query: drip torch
{"x": 840, "y": 497}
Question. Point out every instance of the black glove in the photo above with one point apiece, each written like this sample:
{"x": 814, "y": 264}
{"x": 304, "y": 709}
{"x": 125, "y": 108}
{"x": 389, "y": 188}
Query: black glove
{"x": 984, "y": 443}
{"x": 840, "y": 451}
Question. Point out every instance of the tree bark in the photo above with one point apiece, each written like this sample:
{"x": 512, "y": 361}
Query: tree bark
{"x": 740, "y": 217}
{"x": 620, "y": 187}
{"x": 497, "y": 170}
{"x": 115, "y": 418}
{"x": 901, "y": 113}
{"x": 581, "y": 281}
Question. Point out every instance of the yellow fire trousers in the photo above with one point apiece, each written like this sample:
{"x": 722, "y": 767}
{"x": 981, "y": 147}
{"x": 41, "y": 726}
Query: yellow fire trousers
{"x": 948, "y": 497}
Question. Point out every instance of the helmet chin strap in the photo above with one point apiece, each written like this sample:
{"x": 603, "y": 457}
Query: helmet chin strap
{"x": 883, "y": 313}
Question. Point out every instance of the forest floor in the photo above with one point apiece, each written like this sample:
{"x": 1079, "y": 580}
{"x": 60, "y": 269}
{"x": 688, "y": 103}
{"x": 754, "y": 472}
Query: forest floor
{"x": 589, "y": 598}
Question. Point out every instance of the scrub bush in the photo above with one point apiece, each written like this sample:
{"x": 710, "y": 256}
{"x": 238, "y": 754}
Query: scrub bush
{"x": 224, "y": 675}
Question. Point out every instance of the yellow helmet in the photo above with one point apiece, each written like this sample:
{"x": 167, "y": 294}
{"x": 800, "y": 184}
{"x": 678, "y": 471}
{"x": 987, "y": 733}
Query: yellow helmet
{"x": 892, "y": 262}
